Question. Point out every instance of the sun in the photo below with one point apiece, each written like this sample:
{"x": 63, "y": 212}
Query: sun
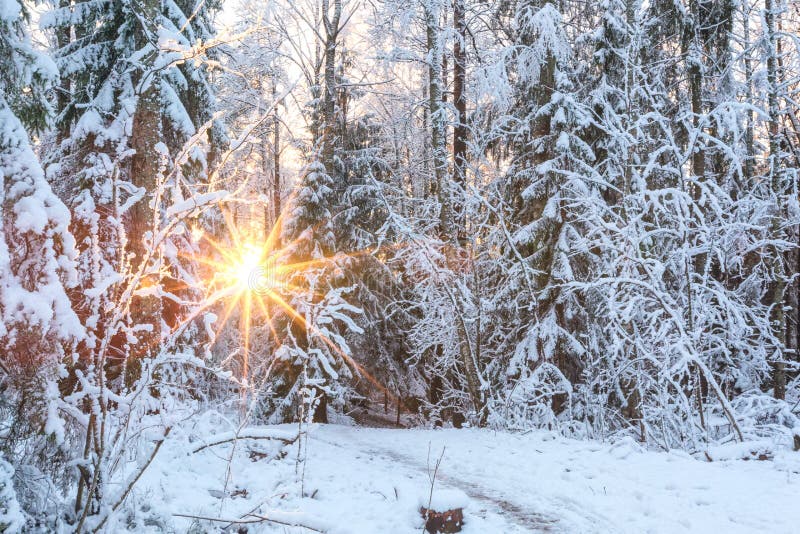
{"x": 248, "y": 265}
{"x": 255, "y": 275}
{"x": 251, "y": 277}
{"x": 252, "y": 270}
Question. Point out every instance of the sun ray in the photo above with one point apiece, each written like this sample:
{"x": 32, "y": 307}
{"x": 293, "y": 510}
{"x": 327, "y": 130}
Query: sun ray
{"x": 271, "y": 242}
{"x": 229, "y": 255}
{"x": 246, "y": 330}
{"x": 255, "y": 280}
{"x": 233, "y": 230}
{"x": 265, "y": 310}
{"x": 228, "y": 311}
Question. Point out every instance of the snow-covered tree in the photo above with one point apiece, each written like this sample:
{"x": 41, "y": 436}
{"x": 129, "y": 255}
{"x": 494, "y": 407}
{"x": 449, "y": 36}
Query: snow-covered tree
{"x": 315, "y": 355}
{"x": 543, "y": 193}
{"x": 11, "y": 518}
{"x": 37, "y": 250}
{"x": 38, "y": 327}
{"x": 672, "y": 244}
{"x": 134, "y": 130}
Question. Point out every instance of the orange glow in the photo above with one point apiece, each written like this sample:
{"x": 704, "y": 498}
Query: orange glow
{"x": 254, "y": 277}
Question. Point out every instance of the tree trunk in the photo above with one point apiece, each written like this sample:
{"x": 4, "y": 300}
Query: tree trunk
{"x": 778, "y": 192}
{"x": 272, "y": 187}
{"x": 460, "y": 131}
{"x": 448, "y": 230}
{"x": 437, "y": 119}
{"x": 331, "y": 27}
{"x": 276, "y": 158}
{"x": 64, "y": 91}
{"x": 144, "y": 170}
{"x": 749, "y": 170}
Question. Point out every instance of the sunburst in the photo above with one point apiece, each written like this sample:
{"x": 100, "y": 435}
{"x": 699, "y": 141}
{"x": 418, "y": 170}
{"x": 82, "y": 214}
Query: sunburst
{"x": 251, "y": 276}
{"x": 257, "y": 277}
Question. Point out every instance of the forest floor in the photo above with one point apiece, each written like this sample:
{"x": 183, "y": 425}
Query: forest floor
{"x": 372, "y": 480}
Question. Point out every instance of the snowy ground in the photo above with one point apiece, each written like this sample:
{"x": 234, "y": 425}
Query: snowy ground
{"x": 367, "y": 480}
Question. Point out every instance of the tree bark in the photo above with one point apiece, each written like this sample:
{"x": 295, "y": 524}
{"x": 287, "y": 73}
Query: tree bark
{"x": 437, "y": 118}
{"x": 330, "y": 23}
{"x": 460, "y": 131}
{"x": 64, "y": 91}
{"x": 144, "y": 170}
{"x": 749, "y": 169}
{"x": 276, "y": 157}
{"x": 777, "y": 187}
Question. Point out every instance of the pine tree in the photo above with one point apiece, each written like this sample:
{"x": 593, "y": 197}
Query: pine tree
{"x": 38, "y": 250}
{"x": 38, "y": 327}
{"x": 133, "y": 139}
{"x": 135, "y": 91}
{"x": 121, "y": 59}
{"x": 549, "y": 175}
{"x": 315, "y": 355}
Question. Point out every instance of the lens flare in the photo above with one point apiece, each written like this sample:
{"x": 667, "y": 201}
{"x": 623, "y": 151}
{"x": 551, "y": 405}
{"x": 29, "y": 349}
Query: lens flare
{"x": 261, "y": 279}
{"x": 256, "y": 277}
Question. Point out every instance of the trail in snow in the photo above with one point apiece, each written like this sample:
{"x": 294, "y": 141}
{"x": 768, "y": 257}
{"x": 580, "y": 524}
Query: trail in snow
{"x": 542, "y": 482}
{"x": 528, "y": 519}
{"x": 546, "y": 517}
{"x": 359, "y": 480}
{"x": 524, "y": 517}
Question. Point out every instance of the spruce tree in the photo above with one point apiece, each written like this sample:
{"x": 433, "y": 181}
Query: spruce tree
{"x": 549, "y": 176}
{"x": 37, "y": 251}
{"x": 38, "y": 327}
{"x": 134, "y": 94}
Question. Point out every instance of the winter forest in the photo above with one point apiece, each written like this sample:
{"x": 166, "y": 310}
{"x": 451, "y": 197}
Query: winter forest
{"x": 362, "y": 266}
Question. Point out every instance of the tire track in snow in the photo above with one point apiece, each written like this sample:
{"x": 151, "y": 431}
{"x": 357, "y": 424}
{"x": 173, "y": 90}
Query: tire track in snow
{"x": 517, "y": 515}
{"x": 531, "y": 521}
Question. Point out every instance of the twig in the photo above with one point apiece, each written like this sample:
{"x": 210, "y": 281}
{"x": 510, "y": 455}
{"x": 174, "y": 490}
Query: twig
{"x": 219, "y": 519}
{"x": 135, "y": 479}
{"x": 286, "y": 523}
{"x": 433, "y": 481}
{"x": 258, "y": 519}
{"x": 287, "y": 441}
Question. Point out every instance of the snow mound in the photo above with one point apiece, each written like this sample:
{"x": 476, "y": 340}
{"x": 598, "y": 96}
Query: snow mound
{"x": 443, "y": 500}
{"x": 753, "y": 450}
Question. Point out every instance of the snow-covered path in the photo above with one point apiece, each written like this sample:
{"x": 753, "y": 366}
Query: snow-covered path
{"x": 519, "y": 518}
{"x": 367, "y": 480}
{"x": 544, "y": 483}
{"x": 515, "y": 517}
